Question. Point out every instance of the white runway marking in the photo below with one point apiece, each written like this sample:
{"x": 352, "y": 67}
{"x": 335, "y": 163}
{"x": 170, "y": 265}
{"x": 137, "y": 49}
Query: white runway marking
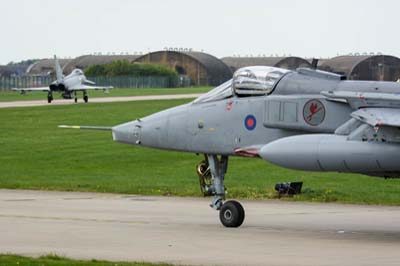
{"x": 187, "y": 231}
{"x": 99, "y": 100}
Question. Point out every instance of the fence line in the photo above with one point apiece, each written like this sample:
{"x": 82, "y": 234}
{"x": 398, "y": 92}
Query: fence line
{"x": 7, "y": 83}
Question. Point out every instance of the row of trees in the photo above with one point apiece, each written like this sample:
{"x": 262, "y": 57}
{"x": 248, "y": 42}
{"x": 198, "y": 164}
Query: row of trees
{"x": 125, "y": 68}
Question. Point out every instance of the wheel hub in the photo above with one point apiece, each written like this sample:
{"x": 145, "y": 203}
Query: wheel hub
{"x": 228, "y": 215}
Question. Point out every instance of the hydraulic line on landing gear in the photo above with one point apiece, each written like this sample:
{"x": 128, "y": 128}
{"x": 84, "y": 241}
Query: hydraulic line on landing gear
{"x": 205, "y": 178}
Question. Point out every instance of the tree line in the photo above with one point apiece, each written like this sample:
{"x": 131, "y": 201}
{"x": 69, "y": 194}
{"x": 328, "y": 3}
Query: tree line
{"x": 125, "y": 68}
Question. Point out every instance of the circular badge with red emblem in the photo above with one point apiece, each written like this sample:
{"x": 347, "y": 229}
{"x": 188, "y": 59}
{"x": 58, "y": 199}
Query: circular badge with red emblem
{"x": 314, "y": 112}
{"x": 250, "y": 122}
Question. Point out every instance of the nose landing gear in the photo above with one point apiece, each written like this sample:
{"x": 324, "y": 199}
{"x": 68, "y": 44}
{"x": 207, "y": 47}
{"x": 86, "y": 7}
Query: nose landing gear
{"x": 75, "y": 97}
{"x": 211, "y": 173}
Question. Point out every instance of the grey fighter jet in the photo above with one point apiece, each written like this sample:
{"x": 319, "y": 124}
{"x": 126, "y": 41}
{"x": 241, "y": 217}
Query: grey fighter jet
{"x": 304, "y": 119}
{"x": 67, "y": 85}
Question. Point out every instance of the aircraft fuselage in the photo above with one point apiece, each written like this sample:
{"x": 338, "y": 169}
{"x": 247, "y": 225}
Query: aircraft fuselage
{"x": 304, "y": 119}
{"x": 75, "y": 79}
{"x": 243, "y": 125}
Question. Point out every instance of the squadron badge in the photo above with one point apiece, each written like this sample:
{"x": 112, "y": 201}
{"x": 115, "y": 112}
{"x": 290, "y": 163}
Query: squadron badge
{"x": 314, "y": 112}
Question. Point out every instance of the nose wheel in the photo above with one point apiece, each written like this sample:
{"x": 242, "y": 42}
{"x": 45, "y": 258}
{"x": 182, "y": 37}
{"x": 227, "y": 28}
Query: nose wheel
{"x": 231, "y": 214}
{"x": 211, "y": 175}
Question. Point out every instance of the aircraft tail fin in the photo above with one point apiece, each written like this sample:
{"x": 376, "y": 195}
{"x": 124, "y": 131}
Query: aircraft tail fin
{"x": 314, "y": 63}
{"x": 59, "y": 73}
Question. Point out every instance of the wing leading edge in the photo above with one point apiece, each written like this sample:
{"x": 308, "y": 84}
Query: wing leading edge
{"x": 31, "y": 89}
{"x": 88, "y": 87}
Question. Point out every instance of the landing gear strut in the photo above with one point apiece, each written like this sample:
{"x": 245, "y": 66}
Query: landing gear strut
{"x": 85, "y": 96}
{"x": 211, "y": 173}
{"x": 49, "y": 97}
{"x": 75, "y": 97}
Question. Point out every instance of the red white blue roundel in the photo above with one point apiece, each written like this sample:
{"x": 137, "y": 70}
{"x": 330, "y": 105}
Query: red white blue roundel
{"x": 250, "y": 122}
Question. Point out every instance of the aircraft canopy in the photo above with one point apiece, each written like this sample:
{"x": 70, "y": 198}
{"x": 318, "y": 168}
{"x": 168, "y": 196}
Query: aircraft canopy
{"x": 256, "y": 80}
{"x": 247, "y": 81}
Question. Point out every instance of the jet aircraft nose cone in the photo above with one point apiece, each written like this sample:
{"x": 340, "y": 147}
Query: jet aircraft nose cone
{"x": 127, "y": 132}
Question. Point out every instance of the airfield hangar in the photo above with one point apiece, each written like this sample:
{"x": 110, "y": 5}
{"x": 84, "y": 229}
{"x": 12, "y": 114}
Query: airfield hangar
{"x": 373, "y": 67}
{"x": 290, "y": 62}
{"x": 84, "y": 61}
{"x": 45, "y": 67}
{"x": 5, "y": 71}
{"x": 202, "y": 69}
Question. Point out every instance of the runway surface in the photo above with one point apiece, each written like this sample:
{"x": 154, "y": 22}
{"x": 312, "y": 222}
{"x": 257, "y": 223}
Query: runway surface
{"x": 100, "y": 100}
{"x": 187, "y": 232}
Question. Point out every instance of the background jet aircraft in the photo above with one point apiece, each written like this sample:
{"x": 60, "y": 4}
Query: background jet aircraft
{"x": 305, "y": 119}
{"x": 67, "y": 85}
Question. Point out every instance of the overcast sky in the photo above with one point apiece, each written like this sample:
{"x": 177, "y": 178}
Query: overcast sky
{"x": 306, "y": 28}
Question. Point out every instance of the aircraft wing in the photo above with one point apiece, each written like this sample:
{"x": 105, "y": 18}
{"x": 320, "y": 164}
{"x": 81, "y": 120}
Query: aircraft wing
{"x": 371, "y": 109}
{"x": 88, "y": 87}
{"x": 376, "y": 124}
{"x": 31, "y": 89}
{"x": 378, "y": 116}
{"x": 90, "y": 82}
{"x": 368, "y": 99}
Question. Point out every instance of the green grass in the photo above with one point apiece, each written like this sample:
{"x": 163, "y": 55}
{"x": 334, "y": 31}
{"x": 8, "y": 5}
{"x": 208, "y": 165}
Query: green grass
{"x": 54, "y": 260}
{"x": 38, "y": 95}
{"x": 35, "y": 154}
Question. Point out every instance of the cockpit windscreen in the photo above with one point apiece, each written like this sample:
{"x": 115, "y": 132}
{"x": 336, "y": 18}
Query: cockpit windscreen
{"x": 223, "y": 91}
{"x": 247, "y": 81}
{"x": 78, "y": 72}
{"x": 256, "y": 80}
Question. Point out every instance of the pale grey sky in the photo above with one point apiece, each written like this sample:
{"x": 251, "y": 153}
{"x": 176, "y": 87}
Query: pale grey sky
{"x": 307, "y": 28}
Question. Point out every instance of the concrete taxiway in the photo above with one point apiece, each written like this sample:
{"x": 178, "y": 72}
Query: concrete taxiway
{"x": 187, "y": 232}
{"x": 100, "y": 100}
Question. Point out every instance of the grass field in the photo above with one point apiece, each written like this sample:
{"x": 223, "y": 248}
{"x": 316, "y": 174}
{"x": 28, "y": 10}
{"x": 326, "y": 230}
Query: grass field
{"x": 35, "y": 154}
{"x": 52, "y": 260}
{"x": 37, "y": 95}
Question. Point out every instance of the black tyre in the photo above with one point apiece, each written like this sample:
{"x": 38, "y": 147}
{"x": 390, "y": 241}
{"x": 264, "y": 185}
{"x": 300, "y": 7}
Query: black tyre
{"x": 231, "y": 214}
{"x": 49, "y": 99}
{"x": 76, "y": 100}
{"x": 241, "y": 211}
{"x": 86, "y": 99}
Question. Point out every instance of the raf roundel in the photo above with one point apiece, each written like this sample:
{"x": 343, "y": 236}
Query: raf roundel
{"x": 250, "y": 122}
